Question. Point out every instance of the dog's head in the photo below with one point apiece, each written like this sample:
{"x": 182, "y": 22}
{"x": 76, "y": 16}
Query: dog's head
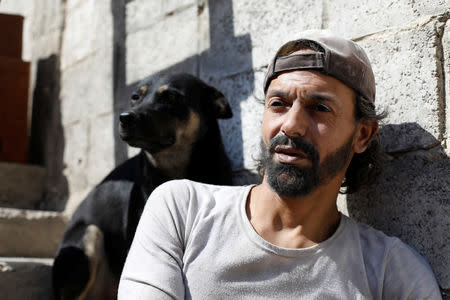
{"x": 173, "y": 110}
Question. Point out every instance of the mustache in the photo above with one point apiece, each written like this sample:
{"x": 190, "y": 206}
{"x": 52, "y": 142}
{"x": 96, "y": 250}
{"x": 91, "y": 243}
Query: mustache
{"x": 296, "y": 143}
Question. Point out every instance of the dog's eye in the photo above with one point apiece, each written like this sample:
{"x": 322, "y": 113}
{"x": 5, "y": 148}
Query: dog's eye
{"x": 135, "y": 97}
{"x": 171, "y": 97}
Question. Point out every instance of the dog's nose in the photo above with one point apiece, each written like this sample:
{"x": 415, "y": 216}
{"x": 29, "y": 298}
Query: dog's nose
{"x": 127, "y": 117}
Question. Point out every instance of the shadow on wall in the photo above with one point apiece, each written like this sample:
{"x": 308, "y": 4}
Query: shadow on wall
{"x": 411, "y": 199}
{"x": 217, "y": 66}
{"x": 47, "y": 135}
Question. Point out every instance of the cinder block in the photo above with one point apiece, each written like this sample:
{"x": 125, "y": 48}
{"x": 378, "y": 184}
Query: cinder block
{"x": 87, "y": 88}
{"x": 272, "y": 23}
{"x": 141, "y": 13}
{"x": 22, "y": 186}
{"x": 101, "y": 148}
{"x": 30, "y": 233}
{"x": 88, "y": 27}
{"x": 168, "y": 42}
{"x": 76, "y": 156}
{"x": 357, "y": 18}
{"x": 407, "y": 74}
{"x": 411, "y": 201}
{"x": 26, "y": 278}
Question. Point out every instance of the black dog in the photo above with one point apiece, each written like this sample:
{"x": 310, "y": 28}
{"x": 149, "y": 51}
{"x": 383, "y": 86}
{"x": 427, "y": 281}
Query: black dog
{"x": 174, "y": 121}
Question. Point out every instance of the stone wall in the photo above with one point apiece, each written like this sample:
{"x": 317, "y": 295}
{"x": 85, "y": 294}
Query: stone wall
{"x": 102, "y": 48}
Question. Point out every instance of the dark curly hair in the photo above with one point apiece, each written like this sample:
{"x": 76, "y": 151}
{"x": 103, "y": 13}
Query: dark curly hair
{"x": 365, "y": 167}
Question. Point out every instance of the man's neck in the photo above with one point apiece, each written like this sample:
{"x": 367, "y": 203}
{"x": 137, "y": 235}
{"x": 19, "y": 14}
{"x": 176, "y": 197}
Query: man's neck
{"x": 293, "y": 222}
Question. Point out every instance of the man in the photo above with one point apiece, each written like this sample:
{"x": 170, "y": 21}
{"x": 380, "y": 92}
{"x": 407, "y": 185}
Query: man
{"x": 284, "y": 238}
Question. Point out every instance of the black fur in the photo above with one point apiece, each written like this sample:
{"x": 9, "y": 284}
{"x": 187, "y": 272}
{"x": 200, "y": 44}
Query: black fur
{"x": 116, "y": 204}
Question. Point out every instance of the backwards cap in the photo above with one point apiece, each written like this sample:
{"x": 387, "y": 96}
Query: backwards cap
{"x": 340, "y": 58}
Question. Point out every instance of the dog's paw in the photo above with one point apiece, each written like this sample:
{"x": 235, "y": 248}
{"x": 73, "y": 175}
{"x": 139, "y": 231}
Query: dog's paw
{"x": 75, "y": 270}
{"x": 70, "y": 273}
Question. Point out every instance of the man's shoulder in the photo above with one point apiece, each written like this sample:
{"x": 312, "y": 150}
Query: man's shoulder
{"x": 376, "y": 243}
{"x": 376, "y": 240}
{"x": 188, "y": 186}
{"x": 188, "y": 194}
{"x": 399, "y": 267}
{"x": 372, "y": 239}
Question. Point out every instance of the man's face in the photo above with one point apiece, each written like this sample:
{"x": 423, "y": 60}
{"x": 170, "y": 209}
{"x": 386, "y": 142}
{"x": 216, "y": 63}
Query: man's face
{"x": 307, "y": 132}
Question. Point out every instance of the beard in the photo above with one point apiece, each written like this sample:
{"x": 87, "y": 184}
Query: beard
{"x": 294, "y": 181}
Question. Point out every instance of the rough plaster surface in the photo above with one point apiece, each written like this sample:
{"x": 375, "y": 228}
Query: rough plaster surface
{"x": 401, "y": 138}
{"x": 26, "y": 278}
{"x": 408, "y": 74}
{"x": 30, "y": 233}
{"x": 176, "y": 34}
{"x": 357, "y": 18}
{"x": 22, "y": 186}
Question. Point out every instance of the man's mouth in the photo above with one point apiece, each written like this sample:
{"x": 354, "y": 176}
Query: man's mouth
{"x": 287, "y": 154}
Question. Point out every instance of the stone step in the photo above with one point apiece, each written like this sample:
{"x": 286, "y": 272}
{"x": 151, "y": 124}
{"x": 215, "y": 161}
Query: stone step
{"x": 22, "y": 186}
{"x": 30, "y": 233}
{"x": 26, "y": 278}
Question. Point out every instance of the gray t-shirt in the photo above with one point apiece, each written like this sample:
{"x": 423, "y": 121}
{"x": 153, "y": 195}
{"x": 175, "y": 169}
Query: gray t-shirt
{"x": 194, "y": 241}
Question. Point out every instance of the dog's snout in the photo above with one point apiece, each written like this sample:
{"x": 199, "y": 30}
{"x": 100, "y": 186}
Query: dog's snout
{"x": 127, "y": 117}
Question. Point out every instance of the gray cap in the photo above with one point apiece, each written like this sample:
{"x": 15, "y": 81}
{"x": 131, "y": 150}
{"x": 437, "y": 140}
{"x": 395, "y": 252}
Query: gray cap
{"x": 340, "y": 58}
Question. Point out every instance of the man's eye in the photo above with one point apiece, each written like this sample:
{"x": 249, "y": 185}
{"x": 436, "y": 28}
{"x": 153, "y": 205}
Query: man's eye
{"x": 321, "y": 108}
{"x": 276, "y": 103}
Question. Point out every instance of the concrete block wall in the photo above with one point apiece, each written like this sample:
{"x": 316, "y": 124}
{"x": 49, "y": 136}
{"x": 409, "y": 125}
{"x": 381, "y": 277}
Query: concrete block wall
{"x": 105, "y": 47}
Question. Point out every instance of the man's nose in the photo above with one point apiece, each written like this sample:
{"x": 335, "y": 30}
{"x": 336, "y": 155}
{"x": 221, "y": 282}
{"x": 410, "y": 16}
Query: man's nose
{"x": 295, "y": 123}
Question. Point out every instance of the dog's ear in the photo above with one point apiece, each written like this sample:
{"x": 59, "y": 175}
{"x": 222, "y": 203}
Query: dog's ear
{"x": 221, "y": 106}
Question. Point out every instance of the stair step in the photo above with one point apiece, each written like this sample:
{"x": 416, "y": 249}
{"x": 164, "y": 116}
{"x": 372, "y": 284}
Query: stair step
{"x": 25, "y": 278}
{"x": 22, "y": 186}
{"x": 30, "y": 233}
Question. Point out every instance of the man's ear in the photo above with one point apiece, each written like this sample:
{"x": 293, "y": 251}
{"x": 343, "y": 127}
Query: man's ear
{"x": 366, "y": 130}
